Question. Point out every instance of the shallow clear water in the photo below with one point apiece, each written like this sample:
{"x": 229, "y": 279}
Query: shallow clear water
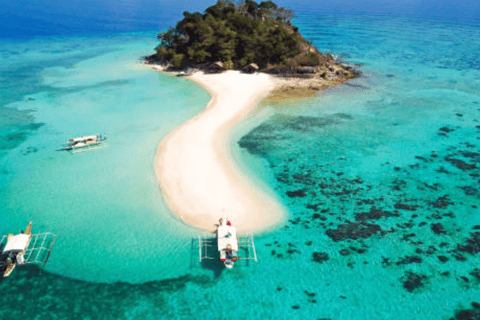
{"x": 380, "y": 176}
{"x": 103, "y": 203}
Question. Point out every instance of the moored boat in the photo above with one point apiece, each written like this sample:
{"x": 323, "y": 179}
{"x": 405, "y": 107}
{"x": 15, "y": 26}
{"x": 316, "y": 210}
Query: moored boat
{"x": 24, "y": 248}
{"x": 14, "y": 251}
{"x": 227, "y": 243}
{"x": 85, "y": 143}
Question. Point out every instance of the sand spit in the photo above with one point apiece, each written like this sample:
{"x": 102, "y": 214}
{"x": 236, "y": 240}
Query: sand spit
{"x": 197, "y": 174}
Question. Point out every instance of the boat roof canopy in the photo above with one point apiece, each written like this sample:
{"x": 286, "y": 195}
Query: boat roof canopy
{"x": 83, "y": 138}
{"x": 227, "y": 235}
{"x": 18, "y": 242}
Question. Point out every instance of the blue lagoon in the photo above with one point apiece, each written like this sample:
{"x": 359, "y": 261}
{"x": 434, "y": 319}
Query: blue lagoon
{"x": 380, "y": 176}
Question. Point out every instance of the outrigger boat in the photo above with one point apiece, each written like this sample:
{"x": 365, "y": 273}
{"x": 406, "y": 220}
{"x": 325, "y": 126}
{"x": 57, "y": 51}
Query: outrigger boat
{"x": 85, "y": 143}
{"x": 24, "y": 248}
{"x": 228, "y": 245}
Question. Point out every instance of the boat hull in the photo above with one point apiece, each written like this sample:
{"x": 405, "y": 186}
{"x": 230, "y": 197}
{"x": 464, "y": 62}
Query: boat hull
{"x": 15, "y": 249}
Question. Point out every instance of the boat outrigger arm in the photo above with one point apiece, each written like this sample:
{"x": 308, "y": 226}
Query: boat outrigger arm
{"x": 228, "y": 245}
{"x": 24, "y": 248}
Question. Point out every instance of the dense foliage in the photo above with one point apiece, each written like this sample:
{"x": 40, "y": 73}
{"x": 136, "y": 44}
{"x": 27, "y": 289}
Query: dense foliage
{"x": 234, "y": 33}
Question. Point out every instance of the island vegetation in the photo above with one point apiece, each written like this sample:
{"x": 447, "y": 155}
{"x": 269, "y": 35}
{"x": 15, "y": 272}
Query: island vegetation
{"x": 249, "y": 36}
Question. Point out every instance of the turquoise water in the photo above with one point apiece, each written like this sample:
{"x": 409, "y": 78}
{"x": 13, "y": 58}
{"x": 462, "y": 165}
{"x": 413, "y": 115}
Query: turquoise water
{"x": 380, "y": 176}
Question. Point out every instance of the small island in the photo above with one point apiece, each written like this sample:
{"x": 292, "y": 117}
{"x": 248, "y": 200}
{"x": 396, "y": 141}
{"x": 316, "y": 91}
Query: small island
{"x": 241, "y": 53}
{"x": 250, "y": 37}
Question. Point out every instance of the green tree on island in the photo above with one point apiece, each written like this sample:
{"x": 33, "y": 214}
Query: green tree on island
{"x": 237, "y": 34}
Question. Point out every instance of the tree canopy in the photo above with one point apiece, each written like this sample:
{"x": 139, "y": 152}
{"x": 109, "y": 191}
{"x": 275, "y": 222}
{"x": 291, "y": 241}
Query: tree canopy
{"x": 235, "y": 33}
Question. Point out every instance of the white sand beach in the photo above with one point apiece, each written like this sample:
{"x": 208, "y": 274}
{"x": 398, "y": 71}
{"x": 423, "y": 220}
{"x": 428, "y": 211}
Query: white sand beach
{"x": 195, "y": 170}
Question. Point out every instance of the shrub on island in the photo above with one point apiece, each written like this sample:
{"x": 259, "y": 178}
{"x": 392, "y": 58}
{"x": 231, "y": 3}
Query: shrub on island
{"x": 237, "y": 34}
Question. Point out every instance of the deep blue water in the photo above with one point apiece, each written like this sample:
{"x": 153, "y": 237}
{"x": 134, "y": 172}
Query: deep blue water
{"x": 25, "y": 19}
{"x": 380, "y": 176}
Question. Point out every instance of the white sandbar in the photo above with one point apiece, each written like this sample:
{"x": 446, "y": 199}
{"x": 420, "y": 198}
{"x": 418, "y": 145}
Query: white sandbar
{"x": 194, "y": 166}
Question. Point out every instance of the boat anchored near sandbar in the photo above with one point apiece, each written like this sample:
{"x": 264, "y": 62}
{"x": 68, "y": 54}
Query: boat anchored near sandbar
{"x": 85, "y": 143}
{"x": 228, "y": 245}
{"x": 24, "y": 248}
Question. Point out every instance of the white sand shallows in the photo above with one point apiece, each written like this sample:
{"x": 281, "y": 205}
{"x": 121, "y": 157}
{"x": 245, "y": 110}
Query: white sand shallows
{"x": 195, "y": 170}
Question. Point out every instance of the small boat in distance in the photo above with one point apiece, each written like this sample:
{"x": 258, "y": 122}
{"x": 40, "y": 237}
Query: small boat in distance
{"x": 227, "y": 243}
{"x": 24, "y": 248}
{"x": 85, "y": 143}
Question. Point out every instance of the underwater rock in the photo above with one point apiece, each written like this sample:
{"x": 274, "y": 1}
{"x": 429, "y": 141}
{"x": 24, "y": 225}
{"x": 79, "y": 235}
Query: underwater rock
{"x": 459, "y": 257}
{"x": 433, "y": 187}
{"x": 386, "y": 262}
{"x": 476, "y": 305}
{"x": 446, "y": 129}
{"x": 468, "y": 154}
{"x": 438, "y": 228}
{"x": 409, "y": 260}
{"x": 409, "y": 207}
{"x": 406, "y": 237}
{"x": 414, "y": 166}
{"x": 318, "y": 216}
{"x": 442, "y": 202}
{"x": 431, "y": 250}
{"x": 297, "y": 193}
{"x": 374, "y": 214}
{"x": 469, "y": 191}
{"x": 344, "y": 252}
{"x": 442, "y": 259}
{"x": 310, "y": 294}
{"x": 467, "y": 315}
{"x": 320, "y": 257}
{"x": 296, "y": 307}
{"x": 473, "y": 244}
{"x": 353, "y": 231}
{"x": 476, "y": 273}
{"x": 413, "y": 281}
{"x": 360, "y": 251}
{"x": 442, "y": 170}
{"x": 423, "y": 159}
{"x": 313, "y": 207}
{"x": 460, "y": 164}
{"x": 365, "y": 201}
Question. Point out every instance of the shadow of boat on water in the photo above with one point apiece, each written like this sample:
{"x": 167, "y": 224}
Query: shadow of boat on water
{"x": 211, "y": 263}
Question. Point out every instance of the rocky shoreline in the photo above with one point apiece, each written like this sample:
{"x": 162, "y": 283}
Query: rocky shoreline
{"x": 291, "y": 82}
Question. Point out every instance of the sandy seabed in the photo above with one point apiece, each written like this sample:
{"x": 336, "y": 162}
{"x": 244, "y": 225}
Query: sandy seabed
{"x": 195, "y": 169}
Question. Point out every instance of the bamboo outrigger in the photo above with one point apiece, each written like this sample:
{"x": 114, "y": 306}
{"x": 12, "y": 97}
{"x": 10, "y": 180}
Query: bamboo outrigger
{"x": 228, "y": 245}
{"x": 24, "y": 248}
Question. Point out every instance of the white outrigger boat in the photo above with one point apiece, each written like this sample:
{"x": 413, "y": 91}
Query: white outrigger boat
{"x": 85, "y": 143}
{"x": 24, "y": 248}
{"x": 228, "y": 245}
